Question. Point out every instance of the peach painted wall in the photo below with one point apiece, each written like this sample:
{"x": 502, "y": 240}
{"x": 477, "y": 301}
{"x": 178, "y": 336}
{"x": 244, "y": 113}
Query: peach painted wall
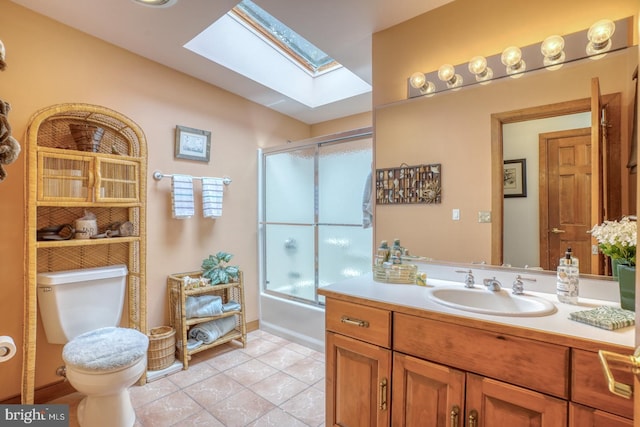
{"x": 49, "y": 63}
{"x": 356, "y": 121}
{"x": 453, "y": 128}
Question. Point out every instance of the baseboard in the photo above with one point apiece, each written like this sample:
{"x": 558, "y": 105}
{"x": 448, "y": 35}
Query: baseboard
{"x": 45, "y": 394}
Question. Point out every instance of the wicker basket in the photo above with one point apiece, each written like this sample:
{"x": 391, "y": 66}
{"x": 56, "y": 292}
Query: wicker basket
{"x": 395, "y": 273}
{"x": 86, "y": 136}
{"x": 162, "y": 348}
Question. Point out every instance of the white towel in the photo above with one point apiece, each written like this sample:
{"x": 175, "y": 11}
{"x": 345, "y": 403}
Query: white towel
{"x": 212, "y": 197}
{"x": 182, "y": 196}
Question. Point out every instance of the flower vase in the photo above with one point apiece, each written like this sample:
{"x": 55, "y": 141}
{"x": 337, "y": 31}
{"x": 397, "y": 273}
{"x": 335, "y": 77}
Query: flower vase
{"x": 627, "y": 282}
{"x": 614, "y": 267}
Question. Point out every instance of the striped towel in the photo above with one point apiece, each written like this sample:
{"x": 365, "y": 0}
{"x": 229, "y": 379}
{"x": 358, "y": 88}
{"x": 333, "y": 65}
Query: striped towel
{"x": 212, "y": 197}
{"x": 182, "y": 196}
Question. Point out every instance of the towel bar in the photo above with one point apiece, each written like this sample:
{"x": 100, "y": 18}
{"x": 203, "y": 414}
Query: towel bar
{"x": 157, "y": 175}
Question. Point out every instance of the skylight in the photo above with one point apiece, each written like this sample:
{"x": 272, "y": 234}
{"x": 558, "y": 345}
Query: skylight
{"x": 309, "y": 56}
{"x": 251, "y": 42}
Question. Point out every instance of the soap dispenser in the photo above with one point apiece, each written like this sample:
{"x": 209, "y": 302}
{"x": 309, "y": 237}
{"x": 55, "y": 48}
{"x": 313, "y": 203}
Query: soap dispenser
{"x": 567, "y": 284}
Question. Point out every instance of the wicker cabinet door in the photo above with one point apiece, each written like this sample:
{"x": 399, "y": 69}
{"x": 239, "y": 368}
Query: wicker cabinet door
{"x": 116, "y": 180}
{"x": 64, "y": 177}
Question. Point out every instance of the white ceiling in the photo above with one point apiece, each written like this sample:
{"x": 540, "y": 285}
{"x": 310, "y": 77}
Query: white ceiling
{"x": 341, "y": 28}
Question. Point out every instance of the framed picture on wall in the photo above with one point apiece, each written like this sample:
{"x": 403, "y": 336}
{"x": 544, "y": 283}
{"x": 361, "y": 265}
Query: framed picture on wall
{"x": 515, "y": 178}
{"x": 192, "y": 144}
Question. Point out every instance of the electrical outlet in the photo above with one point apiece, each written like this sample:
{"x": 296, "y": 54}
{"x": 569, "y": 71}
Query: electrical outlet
{"x": 484, "y": 216}
{"x": 455, "y": 215}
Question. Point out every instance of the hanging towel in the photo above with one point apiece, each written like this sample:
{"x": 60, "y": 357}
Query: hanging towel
{"x": 212, "y": 197}
{"x": 367, "y": 204}
{"x": 182, "y": 196}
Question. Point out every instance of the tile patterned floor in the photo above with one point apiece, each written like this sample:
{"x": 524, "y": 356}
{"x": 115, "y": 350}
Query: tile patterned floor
{"x": 271, "y": 382}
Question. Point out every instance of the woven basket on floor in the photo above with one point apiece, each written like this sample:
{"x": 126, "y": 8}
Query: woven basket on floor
{"x": 162, "y": 348}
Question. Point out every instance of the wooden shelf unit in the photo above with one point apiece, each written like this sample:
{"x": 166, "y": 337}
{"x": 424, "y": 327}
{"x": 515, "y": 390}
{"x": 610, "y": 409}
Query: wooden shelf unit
{"x": 177, "y": 295}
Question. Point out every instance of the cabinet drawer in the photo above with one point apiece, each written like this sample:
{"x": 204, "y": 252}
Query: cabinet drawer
{"x": 365, "y": 323}
{"x": 589, "y": 386}
{"x": 533, "y": 364}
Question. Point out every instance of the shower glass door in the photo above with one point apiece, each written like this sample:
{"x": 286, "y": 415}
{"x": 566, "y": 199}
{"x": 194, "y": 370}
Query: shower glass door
{"x": 312, "y": 217}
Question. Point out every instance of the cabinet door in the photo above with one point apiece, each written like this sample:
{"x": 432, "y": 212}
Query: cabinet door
{"x": 64, "y": 177}
{"x": 358, "y": 383}
{"x": 494, "y": 403}
{"x": 582, "y": 416}
{"x": 426, "y": 394}
{"x": 116, "y": 180}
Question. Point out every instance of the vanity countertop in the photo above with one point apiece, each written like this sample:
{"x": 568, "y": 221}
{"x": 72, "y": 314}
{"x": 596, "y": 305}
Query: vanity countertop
{"x": 556, "y": 328}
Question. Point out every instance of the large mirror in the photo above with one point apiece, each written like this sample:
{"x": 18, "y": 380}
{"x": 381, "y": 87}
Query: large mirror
{"x": 455, "y": 129}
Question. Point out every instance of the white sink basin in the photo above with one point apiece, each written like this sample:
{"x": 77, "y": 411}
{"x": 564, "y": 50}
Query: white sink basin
{"x": 500, "y": 303}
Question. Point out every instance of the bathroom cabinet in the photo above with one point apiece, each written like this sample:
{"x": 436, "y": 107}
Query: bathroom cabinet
{"x": 451, "y": 371}
{"x": 177, "y": 294}
{"x": 64, "y": 183}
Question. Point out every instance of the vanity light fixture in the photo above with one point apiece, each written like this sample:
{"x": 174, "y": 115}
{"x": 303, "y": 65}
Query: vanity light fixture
{"x": 551, "y": 53}
{"x": 552, "y": 49}
{"x": 599, "y": 36}
{"x": 447, "y": 73}
{"x": 419, "y": 81}
{"x": 512, "y": 59}
{"x": 156, "y": 3}
{"x": 478, "y": 67}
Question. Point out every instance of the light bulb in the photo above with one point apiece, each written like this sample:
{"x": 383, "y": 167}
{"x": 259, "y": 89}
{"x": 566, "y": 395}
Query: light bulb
{"x": 553, "y": 50}
{"x": 599, "y": 36}
{"x": 447, "y": 73}
{"x": 419, "y": 81}
{"x": 478, "y": 67}
{"x": 512, "y": 58}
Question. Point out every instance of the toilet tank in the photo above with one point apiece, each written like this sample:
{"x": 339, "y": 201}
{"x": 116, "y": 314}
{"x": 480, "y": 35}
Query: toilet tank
{"x": 76, "y": 301}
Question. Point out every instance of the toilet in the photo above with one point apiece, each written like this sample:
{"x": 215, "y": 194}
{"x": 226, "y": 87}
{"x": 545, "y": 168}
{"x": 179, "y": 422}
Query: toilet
{"x": 81, "y": 309}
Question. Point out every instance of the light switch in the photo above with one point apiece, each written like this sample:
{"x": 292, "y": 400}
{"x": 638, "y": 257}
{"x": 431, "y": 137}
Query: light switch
{"x": 455, "y": 215}
{"x": 484, "y": 216}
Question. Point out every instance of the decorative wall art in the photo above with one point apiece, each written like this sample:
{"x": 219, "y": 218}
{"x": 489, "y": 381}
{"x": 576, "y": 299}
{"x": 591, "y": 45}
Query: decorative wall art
{"x": 408, "y": 184}
{"x": 515, "y": 178}
{"x": 193, "y": 144}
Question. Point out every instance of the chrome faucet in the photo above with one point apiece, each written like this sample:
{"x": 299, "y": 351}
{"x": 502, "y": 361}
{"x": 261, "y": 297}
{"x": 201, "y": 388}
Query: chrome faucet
{"x": 518, "y": 286}
{"x": 469, "y": 280}
{"x": 492, "y": 284}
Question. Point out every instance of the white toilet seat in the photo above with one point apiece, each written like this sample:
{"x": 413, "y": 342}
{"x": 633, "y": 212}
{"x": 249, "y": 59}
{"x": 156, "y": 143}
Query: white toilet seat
{"x": 105, "y": 350}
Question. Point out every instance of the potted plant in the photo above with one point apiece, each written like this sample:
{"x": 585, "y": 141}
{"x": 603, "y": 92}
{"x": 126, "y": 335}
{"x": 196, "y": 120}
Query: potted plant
{"x": 618, "y": 240}
{"x": 215, "y": 268}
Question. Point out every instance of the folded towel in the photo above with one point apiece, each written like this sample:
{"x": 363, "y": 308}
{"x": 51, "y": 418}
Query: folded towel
{"x": 231, "y": 306}
{"x": 210, "y": 331}
{"x": 203, "y": 306}
{"x": 182, "y": 203}
{"x": 212, "y": 189}
{"x": 193, "y": 344}
{"x": 605, "y": 317}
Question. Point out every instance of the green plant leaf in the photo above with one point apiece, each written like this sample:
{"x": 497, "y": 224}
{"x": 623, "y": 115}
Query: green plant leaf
{"x": 232, "y": 271}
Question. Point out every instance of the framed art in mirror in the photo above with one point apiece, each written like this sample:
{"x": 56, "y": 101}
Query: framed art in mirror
{"x": 409, "y": 184}
{"x": 515, "y": 178}
{"x": 192, "y": 144}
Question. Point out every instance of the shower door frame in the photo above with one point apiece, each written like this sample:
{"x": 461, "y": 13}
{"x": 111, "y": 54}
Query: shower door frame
{"x": 316, "y": 142}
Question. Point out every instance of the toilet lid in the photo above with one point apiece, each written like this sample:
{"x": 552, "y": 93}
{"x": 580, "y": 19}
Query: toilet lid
{"x": 105, "y": 349}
